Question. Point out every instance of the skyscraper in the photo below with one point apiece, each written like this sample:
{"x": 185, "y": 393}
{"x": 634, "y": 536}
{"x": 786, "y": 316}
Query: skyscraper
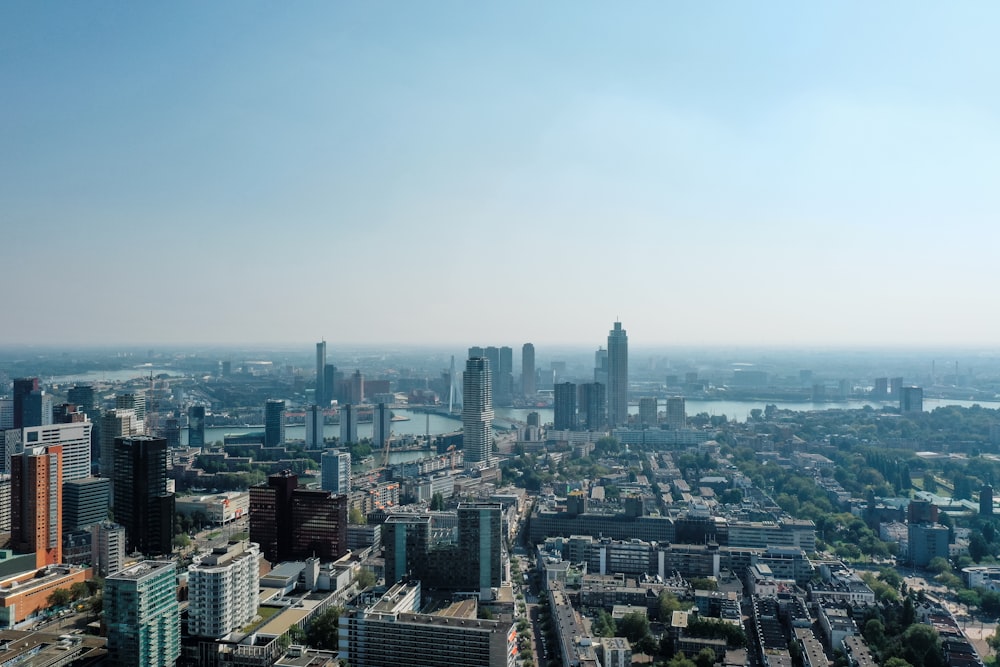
{"x": 223, "y": 589}
{"x": 291, "y": 523}
{"x": 85, "y": 502}
{"x": 381, "y": 425}
{"x": 348, "y": 425}
{"x": 274, "y": 422}
{"x": 528, "y": 387}
{"x": 115, "y": 423}
{"x": 336, "y": 471}
{"x": 314, "y": 426}
{"x": 648, "y": 413}
{"x": 564, "y": 417}
{"x": 135, "y": 401}
{"x": 911, "y": 400}
{"x": 36, "y": 504}
{"x": 357, "y": 388}
{"x": 477, "y": 412}
{"x": 480, "y": 542}
{"x": 142, "y": 503}
{"x": 321, "y": 396}
{"x": 504, "y": 381}
{"x": 617, "y": 376}
{"x": 143, "y": 616}
{"x": 601, "y": 366}
{"x": 22, "y": 389}
{"x": 74, "y": 438}
{"x": 592, "y": 403}
{"x": 196, "y": 426}
{"x": 676, "y": 415}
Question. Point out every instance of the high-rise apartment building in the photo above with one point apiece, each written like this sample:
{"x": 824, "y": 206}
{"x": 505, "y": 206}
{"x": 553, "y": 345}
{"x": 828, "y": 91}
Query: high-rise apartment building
{"x": 477, "y": 412}
{"x": 405, "y": 542}
{"x": 314, "y": 426}
{"x": 357, "y": 388}
{"x": 196, "y": 426}
{"x": 36, "y": 503}
{"x": 274, "y": 422}
{"x": 617, "y": 376}
{"x": 143, "y": 616}
{"x": 321, "y": 396}
{"x": 74, "y": 437}
{"x": 348, "y": 425}
{"x": 503, "y": 382}
{"x": 82, "y": 395}
{"x": 601, "y": 366}
{"x": 223, "y": 587}
{"x": 23, "y": 388}
{"x": 592, "y": 404}
{"x": 336, "y": 471}
{"x": 528, "y": 386}
{"x": 329, "y": 383}
{"x": 107, "y": 545}
{"x": 896, "y": 388}
{"x": 4, "y": 503}
{"x": 648, "y": 412}
{"x": 481, "y": 546}
{"x": 6, "y": 413}
{"x": 290, "y": 523}
{"x": 911, "y": 400}
{"x": 114, "y": 424}
{"x": 381, "y": 425}
{"x": 134, "y": 401}
{"x": 141, "y": 500}
{"x": 564, "y": 415}
{"x": 676, "y": 413}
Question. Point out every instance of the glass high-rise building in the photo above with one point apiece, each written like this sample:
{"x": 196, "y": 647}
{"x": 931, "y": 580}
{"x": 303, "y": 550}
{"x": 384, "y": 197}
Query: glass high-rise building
{"x": 143, "y": 616}
{"x": 321, "y": 388}
{"x": 477, "y": 412}
{"x": 196, "y": 426}
{"x": 141, "y": 500}
{"x": 564, "y": 417}
{"x": 274, "y": 422}
{"x": 617, "y": 376}
{"x": 528, "y": 386}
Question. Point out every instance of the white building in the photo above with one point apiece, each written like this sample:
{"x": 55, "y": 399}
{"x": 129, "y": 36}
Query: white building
{"x": 74, "y": 439}
{"x": 107, "y": 544}
{"x": 220, "y": 509}
{"x": 223, "y": 589}
{"x": 336, "y": 471}
{"x": 117, "y": 423}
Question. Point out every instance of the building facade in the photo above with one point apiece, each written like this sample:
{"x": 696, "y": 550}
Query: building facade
{"x": 274, "y": 422}
{"x": 223, "y": 589}
{"x": 617, "y": 376}
{"x": 477, "y": 412}
{"x": 290, "y": 523}
{"x": 336, "y": 471}
{"x": 143, "y": 616}
{"x": 528, "y": 385}
{"x": 36, "y": 504}
{"x": 141, "y": 500}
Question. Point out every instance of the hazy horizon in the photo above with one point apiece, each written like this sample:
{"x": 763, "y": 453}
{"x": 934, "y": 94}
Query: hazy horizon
{"x": 760, "y": 176}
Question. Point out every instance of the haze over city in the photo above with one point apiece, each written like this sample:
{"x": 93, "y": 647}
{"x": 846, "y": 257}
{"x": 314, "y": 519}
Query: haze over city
{"x": 771, "y": 174}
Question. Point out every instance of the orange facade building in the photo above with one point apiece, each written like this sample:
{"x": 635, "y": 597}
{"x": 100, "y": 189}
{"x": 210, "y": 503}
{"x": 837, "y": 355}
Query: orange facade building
{"x": 36, "y": 503}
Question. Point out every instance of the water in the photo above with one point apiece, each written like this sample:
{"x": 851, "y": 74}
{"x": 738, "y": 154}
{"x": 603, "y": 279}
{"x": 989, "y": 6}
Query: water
{"x": 111, "y": 376}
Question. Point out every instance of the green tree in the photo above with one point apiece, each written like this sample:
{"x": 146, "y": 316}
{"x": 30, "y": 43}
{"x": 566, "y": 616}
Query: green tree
{"x": 79, "y": 590}
{"x": 356, "y": 517}
{"x": 896, "y": 662}
{"x": 364, "y": 579}
{"x": 59, "y": 597}
{"x": 922, "y": 642}
{"x": 322, "y": 632}
{"x": 604, "y": 625}
{"x": 437, "y": 502}
{"x": 667, "y": 605}
{"x": 939, "y": 565}
{"x": 633, "y": 626}
{"x": 874, "y": 632}
{"x": 680, "y": 661}
{"x": 705, "y": 658}
{"x": 181, "y": 540}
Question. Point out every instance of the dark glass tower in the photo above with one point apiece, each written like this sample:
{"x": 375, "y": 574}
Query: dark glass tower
{"x": 142, "y": 503}
{"x": 274, "y": 423}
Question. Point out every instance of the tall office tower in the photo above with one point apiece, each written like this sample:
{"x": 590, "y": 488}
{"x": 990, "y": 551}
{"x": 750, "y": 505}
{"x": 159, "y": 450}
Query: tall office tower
{"x": 107, "y": 547}
{"x": 528, "y": 386}
{"x": 85, "y": 502}
{"x": 381, "y": 425}
{"x": 223, "y": 589}
{"x": 617, "y": 376}
{"x": 4, "y": 503}
{"x": 141, "y": 500}
{"x": 171, "y": 432}
{"x": 895, "y": 388}
{"x": 504, "y": 379}
{"x": 480, "y": 541}
{"x": 348, "y": 425}
{"x": 196, "y": 426}
{"x": 322, "y": 396}
{"x": 114, "y": 424}
{"x": 74, "y": 438}
{"x": 336, "y": 471}
{"x": 676, "y": 414}
{"x": 476, "y": 351}
{"x": 143, "y": 616}
{"x": 601, "y": 366}
{"x": 290, "y": 523}
{"x": 477, "y": 412}
{"x": 911, "y": 400}
{"x": 405, "y": 539}
{"x": 329, "y": 383}
{"x": 134, "y": 401}
{"x": 564, "y": 417}
{"x": 23, "y": 387}
{"x": 82, "y": 395}
{"x": 986, "y": 500}
{"x": 36, "y": 504}
{"x": 12, "y": 445}
{"x": 6, "y": 413}
{"x": 592, "y": 405}
{"x": 357, "y": 388}
{"x": 38, "y": 408}
{"x": 274, "y": 422}
{"x": 314, "y": 426}
{"x": 648, "y": 415}
{"x": 881, "y": 390}
{"x": 492, "y": 354}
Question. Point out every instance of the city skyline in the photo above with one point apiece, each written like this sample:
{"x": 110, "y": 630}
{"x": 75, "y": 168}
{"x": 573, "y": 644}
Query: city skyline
{"x": 783, "y": 174}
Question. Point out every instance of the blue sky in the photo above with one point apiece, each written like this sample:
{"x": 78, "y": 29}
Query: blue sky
{"x": 711, "y": 173}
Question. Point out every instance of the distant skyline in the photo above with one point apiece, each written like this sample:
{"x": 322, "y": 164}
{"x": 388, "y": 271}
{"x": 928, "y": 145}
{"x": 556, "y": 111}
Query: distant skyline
{"x": 453, "y": 173}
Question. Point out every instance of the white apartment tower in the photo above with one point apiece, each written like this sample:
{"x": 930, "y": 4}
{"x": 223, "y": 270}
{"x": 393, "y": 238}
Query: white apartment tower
{"x": 336, "y": 467}
{"x": 477, "y": 412}
{"x": 223, "y": 589}
{"x": 75, "y": 440}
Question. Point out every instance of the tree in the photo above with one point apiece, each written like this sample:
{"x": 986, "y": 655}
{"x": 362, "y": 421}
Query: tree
{"x": 322, "y": 632}
{"x": 680, "y": 661}
{"x": 705, "y": 658}
{"x": 922, "y": 643}
{"x": 181, "y": 540}
{"x": 364, "y": 579}
{"x": 938, "y": 565}
{"x": 604, "y": 625}
{"x": 978, "y": 547}
{"x": 874, "y": 632}
{"x": 79, "y": 590}
{"x": 356, "y": 517}
{"x": 633, "y": 626}
{"x": 896, "y": 662}
{"x": 59, "y": 597}
{"x": 437, "y": 502}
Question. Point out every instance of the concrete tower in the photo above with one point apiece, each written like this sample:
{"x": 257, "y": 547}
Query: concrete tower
{"x": 528, "y": 388}
{"x": 617, "y": 376}
{"x": 322, "y": 391}
{"x": 477, "y": 412}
